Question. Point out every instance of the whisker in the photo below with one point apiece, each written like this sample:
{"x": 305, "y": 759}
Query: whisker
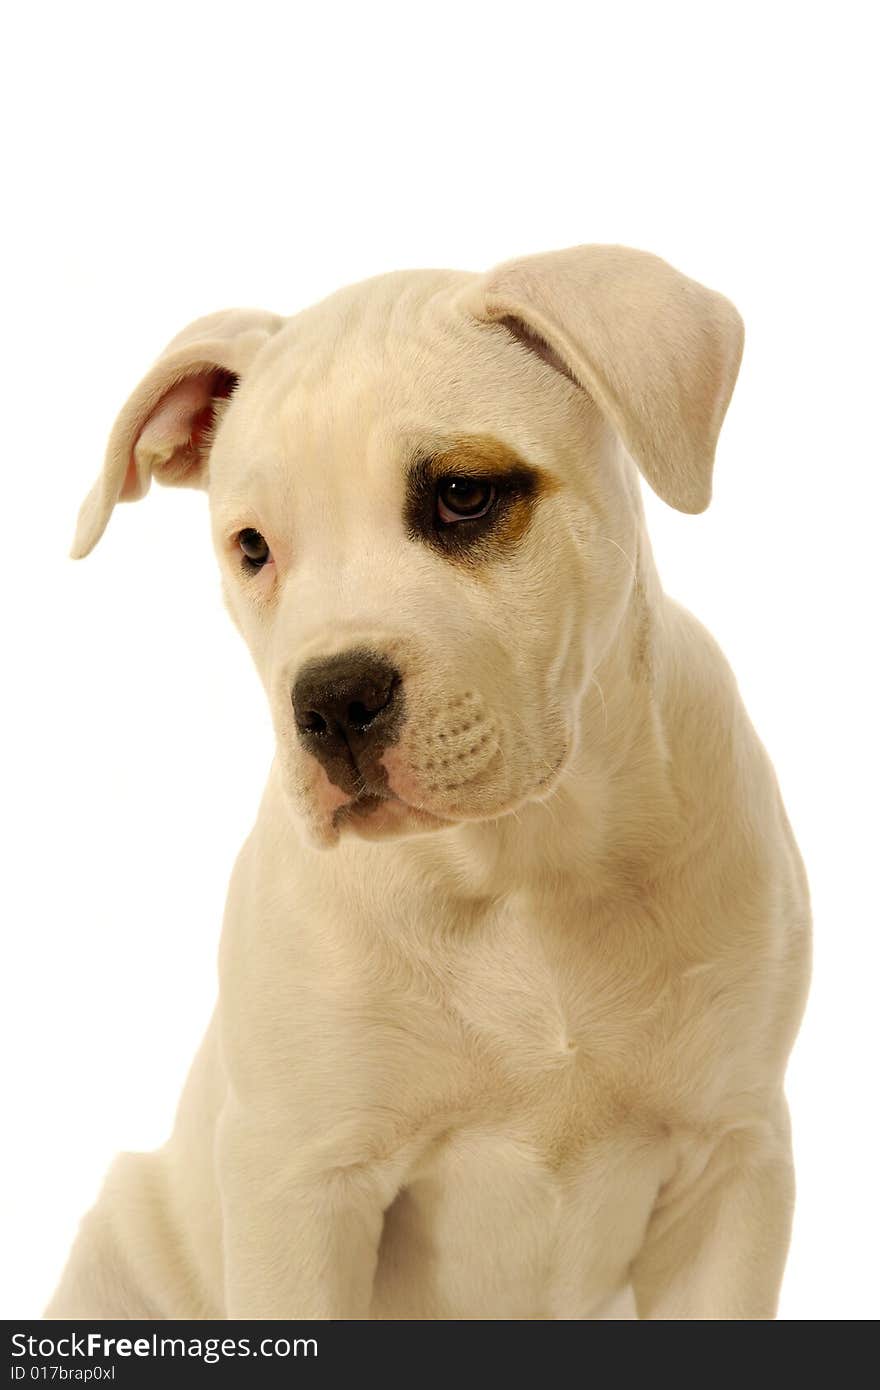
{"x": 629, "y": 561}
{"x": 594, "y": 680}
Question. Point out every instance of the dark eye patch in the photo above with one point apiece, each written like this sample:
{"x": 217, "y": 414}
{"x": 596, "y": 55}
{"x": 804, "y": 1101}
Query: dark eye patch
{"x": 490, "y": 480}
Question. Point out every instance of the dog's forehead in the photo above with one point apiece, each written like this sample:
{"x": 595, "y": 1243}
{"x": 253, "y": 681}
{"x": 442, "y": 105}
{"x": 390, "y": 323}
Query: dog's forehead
{"x": 377, "y": 336}
{"x": 379, "y": 370}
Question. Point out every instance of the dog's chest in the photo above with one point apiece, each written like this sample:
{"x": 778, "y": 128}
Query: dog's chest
{"x": 533, "y": 1197}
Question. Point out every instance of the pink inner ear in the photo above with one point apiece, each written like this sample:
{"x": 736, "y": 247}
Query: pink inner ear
{"x": 170, "y": 437}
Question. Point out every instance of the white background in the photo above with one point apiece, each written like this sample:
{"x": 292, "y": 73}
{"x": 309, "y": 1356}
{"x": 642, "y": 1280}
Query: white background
{"x": 164, "y": 161}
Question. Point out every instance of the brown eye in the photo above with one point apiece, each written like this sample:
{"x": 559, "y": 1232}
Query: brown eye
{"x": 463, "y": 499}
{"x": 254, "y": 548}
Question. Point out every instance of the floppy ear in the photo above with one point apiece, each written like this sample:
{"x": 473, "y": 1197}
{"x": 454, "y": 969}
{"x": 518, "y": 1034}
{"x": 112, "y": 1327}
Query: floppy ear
{"x": 658, "y": 353}
{"x": 164, "y": 429}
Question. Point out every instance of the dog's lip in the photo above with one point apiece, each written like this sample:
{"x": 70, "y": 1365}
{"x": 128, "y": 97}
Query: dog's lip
{"x": 363, "y": 805}
{"x": 374, "y": 813}
{"x": 366, "y": 802}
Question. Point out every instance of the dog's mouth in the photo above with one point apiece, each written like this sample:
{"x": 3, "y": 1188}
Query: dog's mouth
{"x": 362, "y": 806}
{"x": 375, "y": 815}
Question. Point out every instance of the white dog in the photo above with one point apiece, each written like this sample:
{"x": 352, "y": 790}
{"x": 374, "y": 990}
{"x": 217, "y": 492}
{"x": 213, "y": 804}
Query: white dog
{"x": 515, "y": 954}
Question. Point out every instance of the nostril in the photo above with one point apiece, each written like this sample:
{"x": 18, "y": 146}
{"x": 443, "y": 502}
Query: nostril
{"x": 358, "y": 716}
{"x": 360, "y": 713}
{"x": 313, "y": 722}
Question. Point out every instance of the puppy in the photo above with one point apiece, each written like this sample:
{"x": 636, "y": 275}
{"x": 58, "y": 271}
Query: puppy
{"x": 515, "y": 954}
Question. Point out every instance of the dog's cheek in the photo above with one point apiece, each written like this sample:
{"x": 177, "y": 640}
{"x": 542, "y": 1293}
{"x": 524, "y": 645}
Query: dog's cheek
{"x": 254, "y": 628}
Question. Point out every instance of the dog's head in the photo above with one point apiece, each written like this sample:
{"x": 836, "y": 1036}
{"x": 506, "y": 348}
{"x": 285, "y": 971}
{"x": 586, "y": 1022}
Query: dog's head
{"x": 425, "y": 510}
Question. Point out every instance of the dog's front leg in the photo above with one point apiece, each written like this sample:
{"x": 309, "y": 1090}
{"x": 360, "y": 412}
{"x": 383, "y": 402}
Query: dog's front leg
{"x": 717, "y": 1250}
{"x": 300, "y": 1236}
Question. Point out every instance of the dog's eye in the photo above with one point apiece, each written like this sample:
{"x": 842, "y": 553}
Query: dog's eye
{"x": 254, "y": 548}
{"x": 463, "y": 499}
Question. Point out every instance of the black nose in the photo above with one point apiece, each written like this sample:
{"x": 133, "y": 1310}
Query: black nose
{"x": 345, "y": 706}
